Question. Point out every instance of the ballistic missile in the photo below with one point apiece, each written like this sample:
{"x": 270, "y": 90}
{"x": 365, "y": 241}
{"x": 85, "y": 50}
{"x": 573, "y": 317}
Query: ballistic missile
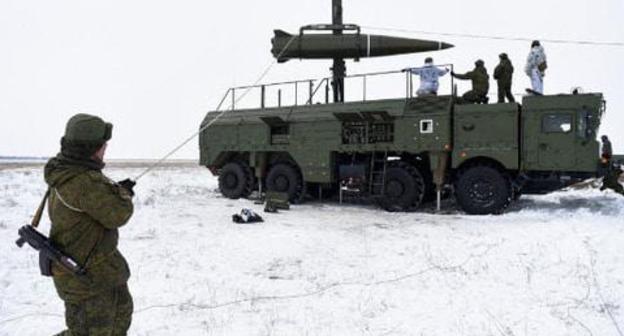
{"x": 356, "y": 46}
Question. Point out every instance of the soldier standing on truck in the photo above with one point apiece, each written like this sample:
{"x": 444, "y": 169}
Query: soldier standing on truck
{"x": 536, "y": 67}
{"x": 86, "y": 209}
{"x": 480, "y": 84}
{"x": 503, "y": 74}
{"x": 429, "y": 75}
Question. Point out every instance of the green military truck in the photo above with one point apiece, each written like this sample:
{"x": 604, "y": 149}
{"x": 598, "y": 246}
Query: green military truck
{"x": 401, "y": 152}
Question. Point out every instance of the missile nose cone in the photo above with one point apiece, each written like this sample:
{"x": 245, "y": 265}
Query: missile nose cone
{"x": 444, "y": 45}
{"x": 390, "y": 45}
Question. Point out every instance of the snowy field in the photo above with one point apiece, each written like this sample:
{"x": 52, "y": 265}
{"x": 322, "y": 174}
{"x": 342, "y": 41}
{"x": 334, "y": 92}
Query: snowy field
{"x": 553, "y": 265}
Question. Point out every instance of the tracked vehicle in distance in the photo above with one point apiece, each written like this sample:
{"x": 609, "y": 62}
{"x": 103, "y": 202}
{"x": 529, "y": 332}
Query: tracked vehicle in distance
{"x": 400, "y": 152}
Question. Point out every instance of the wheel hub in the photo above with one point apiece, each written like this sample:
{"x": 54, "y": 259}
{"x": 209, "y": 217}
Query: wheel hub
{"x": 482, "y": 191}
{"x": 281, "y": 183}
{"x": 394, "y": 189}
{"x": 231, "y": 180}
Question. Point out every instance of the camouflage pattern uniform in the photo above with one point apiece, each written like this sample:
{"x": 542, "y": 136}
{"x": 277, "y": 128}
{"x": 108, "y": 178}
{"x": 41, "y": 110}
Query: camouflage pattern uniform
{"x": 607, "y": 149}
{"x": 503, "y": 74}
{"x": 480, "y": 83}
{"x": 611, "y": 180}
{"x": 536, "y": 66}
{"x": 86, "y": 209}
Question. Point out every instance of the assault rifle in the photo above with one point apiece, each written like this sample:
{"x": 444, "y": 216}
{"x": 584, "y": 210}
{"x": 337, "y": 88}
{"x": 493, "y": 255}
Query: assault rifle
{"x": 48, "y": 253}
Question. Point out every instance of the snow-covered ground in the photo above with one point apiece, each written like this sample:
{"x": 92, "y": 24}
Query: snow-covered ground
{"x": 553, "y": 265}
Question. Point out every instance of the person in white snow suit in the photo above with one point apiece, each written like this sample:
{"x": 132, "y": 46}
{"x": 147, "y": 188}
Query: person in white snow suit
{"x": 536, "y": 67}
{"x": 429, "y": 75}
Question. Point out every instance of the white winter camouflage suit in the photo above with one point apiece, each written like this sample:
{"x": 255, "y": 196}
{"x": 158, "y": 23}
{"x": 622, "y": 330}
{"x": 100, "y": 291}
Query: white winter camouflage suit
{"x": 535, "y": 58}
{"x": 429, "y": 75}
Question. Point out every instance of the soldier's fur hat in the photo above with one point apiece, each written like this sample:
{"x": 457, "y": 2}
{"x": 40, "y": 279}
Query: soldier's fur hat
{"x": 84, "y": 135}
{"x": 88, "y": 129}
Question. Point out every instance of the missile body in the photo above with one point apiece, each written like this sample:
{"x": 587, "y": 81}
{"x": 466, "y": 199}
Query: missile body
{"x": 328, "y": 46}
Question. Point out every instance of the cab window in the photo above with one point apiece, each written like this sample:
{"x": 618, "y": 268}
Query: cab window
{"x": 557, "y": 123}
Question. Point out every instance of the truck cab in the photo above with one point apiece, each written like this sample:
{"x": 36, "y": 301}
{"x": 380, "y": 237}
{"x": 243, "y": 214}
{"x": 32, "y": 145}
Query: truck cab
{"x": 559, "y": 133}
{"x": 504, "y": 150}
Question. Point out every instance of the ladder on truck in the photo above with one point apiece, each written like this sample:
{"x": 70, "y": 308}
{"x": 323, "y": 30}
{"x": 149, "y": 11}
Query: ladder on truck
{"x": 377, "y": 180}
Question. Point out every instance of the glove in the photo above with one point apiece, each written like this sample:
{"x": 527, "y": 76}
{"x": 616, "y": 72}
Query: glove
{"x": 127, "y": 184}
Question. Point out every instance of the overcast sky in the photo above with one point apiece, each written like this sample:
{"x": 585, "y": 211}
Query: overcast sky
{"x": 154, "y": 68}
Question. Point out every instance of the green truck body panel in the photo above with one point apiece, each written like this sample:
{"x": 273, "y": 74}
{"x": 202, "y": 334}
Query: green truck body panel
{"x": 487, "y": 131}
{"x": 543, "y": 134}
{"x": 315, "y": 132}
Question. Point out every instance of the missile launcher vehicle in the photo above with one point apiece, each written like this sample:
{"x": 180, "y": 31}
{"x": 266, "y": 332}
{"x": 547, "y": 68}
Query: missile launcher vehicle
{"x": 399, "y": 152}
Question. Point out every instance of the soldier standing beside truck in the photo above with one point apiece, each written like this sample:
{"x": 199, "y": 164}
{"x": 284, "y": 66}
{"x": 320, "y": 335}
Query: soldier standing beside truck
{"x": 611, "y": 180}
{"x": 611, "y": 170}
{"x": 503, "y": 74}
{"x": 480, "y": 84}
{"x": 86, "y": 209}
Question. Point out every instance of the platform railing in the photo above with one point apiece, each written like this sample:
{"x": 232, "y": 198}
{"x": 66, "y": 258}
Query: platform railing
{"x": 317, "y": 91}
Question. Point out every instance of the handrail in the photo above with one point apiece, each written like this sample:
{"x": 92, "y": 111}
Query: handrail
{"x": 315, "y": 84}
{"x": 227, "y": 93}
{"x": 275, "y": 84}
{"x": 324, "y": 80}
{"x": 317, "y": 79}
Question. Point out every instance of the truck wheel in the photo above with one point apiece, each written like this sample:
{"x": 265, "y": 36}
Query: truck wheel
{"x": 482, "y": 190}
{"x": 404, "y": 188}
{"x": 284, "y": 177}
{"x": 236, "y": 180}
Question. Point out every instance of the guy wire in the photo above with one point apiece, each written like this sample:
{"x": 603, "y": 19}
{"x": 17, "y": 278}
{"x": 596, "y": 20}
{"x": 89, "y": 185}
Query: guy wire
{"x": 504, "y": 38}
{"x": 203, "y": 128}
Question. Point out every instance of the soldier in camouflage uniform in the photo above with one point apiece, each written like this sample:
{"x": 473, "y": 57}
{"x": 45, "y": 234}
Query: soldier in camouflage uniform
{"x": 480, "y": 84}
{"x": 607, "y": 148}
{"x": 611, "y": 179}
{"x": 503, "y": 74}
{"x": 86, "y": 209}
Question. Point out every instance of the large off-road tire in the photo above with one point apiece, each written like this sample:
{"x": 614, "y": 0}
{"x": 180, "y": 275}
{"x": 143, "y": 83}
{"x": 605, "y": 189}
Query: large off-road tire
{"x": 236, "y": 180}
{"x": 286, "y": 177}
{"x": 482, "y": 190}
{"x": 404, "y": 188}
